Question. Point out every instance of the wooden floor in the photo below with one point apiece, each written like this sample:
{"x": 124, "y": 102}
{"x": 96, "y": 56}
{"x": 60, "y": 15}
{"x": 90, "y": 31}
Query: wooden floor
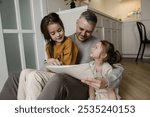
{"x": 135, "y": 84}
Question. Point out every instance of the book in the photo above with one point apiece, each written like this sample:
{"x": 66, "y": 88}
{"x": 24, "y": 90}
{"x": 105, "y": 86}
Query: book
{"x": 80, "y": 71}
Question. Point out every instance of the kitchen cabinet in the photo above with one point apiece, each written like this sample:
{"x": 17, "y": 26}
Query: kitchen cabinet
{"x": 108, "y": 28}
{"x": 130, "y": 40}
{"x": 114, "y": 37}
{"x": 108, "y": 35}
{"x": 99, "y": 29}
{"x": 106, "y": 22}
{"x": 119, "y": 42}
{"x": 99, "y": 33}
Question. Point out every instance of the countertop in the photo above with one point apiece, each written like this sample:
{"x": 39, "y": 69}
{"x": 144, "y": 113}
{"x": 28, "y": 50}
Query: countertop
{"x": 130, "y": 20}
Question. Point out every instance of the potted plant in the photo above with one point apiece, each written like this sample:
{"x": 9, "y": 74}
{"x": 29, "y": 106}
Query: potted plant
{"x": 72, "y": 3}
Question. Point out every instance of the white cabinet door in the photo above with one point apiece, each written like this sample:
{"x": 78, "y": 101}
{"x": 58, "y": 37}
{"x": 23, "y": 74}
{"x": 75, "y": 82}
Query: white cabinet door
{"x": 108, "y": 34}
{"x": 99, "y": 20}
{"x": 106, "y": 22}
{"x": 119, "y": 36}
{"x": 119, "y": 40}
{"x": 99, "y": 29}
{"x": 130, "y": 39}
{"x": 99, "y": 33}
{"x": 115, "y": 38}
{"x": 110, "y": 30}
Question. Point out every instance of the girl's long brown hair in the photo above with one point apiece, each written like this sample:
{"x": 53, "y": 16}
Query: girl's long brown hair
{"x": 51, "y": 18}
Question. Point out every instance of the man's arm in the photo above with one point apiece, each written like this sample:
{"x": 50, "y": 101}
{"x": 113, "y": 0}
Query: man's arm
{"x": 115, "y": 76}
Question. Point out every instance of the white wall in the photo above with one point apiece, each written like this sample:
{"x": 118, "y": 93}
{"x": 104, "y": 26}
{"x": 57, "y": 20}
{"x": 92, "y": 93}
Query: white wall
{"x": 56, "y": 5}
{"x": 60, "y": 5}
{"x": 69, "y": 18}
{"x": 98, "y": 4}
{"x": 116, "y": 8}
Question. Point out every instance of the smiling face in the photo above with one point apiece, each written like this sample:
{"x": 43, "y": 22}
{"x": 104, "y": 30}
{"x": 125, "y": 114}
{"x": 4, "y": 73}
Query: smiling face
{"x": 84, "y": 29}
{"x": 56, "y": 32}
{"x": 98, "y": 52}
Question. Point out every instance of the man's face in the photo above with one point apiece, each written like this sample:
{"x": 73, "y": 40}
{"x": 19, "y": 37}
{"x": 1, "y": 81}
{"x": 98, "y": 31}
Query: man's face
{"x": 84, "y": 29}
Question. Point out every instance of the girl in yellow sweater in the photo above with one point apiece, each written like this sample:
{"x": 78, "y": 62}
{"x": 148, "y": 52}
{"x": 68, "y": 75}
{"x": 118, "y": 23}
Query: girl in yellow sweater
{"x": 59, "y": 49}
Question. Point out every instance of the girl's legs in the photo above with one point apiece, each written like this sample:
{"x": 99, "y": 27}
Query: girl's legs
{"x": 21, "y": 95}
{"x": 35, "y": 83}
{"x": 64, "y": 87}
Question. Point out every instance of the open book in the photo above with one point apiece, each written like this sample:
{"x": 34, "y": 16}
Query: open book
{"x": 80, "y": 71}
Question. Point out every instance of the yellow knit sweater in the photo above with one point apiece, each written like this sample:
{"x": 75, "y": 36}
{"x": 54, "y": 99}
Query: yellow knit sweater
{"x": 66, "y": 52}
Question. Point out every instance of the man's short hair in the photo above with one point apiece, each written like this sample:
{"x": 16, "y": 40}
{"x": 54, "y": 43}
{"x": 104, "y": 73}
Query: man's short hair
{"x": 89, "y": 16}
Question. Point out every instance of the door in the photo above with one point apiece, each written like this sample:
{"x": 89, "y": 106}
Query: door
{"x": 22, "y": 43}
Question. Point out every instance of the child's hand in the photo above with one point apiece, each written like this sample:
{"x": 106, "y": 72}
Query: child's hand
{"x": 53, "y": 61}
{"x": 95, "y": 83}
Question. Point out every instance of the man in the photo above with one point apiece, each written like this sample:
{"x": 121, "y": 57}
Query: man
{"x": 62, "y": 86}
